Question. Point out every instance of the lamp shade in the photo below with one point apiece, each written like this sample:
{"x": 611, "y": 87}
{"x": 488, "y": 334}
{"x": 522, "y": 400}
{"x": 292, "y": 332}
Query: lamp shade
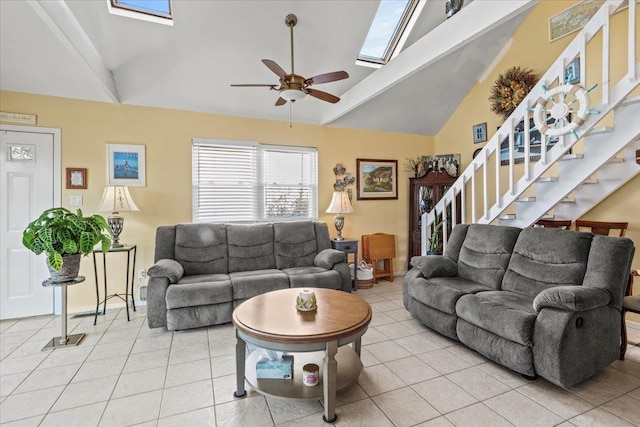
{"x": 340, "y": 204}
{"x": 116, "y": 198}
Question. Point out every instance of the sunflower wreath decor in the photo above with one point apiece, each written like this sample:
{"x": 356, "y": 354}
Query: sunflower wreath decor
{"x": 510, "y": 89}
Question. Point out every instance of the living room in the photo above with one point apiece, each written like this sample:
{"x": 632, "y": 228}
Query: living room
{"x": 167, "y": 134}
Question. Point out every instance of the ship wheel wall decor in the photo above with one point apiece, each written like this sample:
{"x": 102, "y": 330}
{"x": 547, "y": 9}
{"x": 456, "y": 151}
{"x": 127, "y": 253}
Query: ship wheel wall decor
{"x": 555, "y": 113}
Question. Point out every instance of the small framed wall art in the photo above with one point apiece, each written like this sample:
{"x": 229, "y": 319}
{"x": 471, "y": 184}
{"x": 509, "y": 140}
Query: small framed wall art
{"x": 572, "y": 72}
{"x": 377, "y": 179}
{"x": 480, "y": 133}
{"x": 126, "y": 165}
{"x": 76, "y": 178}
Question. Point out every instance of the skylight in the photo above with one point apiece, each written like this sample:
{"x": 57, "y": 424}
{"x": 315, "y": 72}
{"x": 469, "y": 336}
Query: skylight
{"x": 148, "y": 10}
{"x": 389, "y": 30}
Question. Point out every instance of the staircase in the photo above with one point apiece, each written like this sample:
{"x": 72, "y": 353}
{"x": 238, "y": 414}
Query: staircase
{"x": 589, "y": 160}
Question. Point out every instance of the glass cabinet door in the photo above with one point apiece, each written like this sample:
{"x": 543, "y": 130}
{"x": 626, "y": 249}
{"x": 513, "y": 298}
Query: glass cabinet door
{"x": 425, "y": 201}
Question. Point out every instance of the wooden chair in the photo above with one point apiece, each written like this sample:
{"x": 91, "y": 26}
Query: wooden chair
{"x": 629, "y": 303}
{"x": 603, "y": 228}
{"x": 565, "y": 224}
{"x": 380, "y": 247}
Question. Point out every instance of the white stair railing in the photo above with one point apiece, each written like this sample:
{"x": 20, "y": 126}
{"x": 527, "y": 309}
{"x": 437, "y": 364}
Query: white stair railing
{"x": 485, "y": 171}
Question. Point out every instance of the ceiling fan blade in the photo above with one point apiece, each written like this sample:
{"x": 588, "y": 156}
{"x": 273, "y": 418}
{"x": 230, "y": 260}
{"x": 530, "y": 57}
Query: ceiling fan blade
{"x": 274, "y": 67}
{"x": 327, "y": 78}
{"x": 323, "y": 95}
{"x": 280, "y": 101}
{"x": 254, "y": 85}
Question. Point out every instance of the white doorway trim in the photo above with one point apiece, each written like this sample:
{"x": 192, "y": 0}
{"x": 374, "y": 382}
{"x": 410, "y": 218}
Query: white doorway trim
{"x": 57, "y": 188}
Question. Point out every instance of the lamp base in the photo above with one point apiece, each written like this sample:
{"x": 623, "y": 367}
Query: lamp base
{"x": 338, "y": 221}
{"x": 116, "y": 223}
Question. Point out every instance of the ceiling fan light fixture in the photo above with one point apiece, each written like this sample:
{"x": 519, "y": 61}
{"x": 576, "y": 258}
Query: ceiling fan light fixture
{"x": 292, "y": 95}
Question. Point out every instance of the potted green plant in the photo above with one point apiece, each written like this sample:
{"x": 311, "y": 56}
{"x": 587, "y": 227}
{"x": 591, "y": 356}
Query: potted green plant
{"x": 64, "y": 236}
{"x": 435, "y": 246}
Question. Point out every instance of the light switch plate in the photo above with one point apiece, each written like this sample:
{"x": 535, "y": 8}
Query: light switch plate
{"x": 75, "y": 200}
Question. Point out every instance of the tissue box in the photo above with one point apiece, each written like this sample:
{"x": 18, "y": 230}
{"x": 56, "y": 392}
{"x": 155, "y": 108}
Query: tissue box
{"x": 275, "y": 369}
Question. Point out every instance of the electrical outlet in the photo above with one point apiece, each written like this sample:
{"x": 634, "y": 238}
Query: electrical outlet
{"x": 143, "y": 294}
{"x": 75, "y": 200}
{"x": 142, "y": 274}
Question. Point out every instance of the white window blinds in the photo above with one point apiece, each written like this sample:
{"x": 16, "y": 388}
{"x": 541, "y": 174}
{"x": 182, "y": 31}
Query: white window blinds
{"x": 249, "y": 182}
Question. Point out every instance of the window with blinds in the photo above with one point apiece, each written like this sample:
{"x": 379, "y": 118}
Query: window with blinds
{"x": 248, "y": 182}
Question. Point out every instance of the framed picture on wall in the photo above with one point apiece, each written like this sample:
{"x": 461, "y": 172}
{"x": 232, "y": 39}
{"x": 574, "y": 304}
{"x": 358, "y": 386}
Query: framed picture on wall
{"x": 480, "y": 133}
{"x": 126, "y": 165}
{"x": 572, "y": 19}
{"x": 76, "y": 178}
{"x": 447, "y": 162}
{"x": 535, "y": 144}
{"x": 377, "y": 179}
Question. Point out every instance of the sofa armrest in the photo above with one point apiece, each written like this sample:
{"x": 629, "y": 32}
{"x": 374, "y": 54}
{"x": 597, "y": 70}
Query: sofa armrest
{"x": 169, "y": 268}
{"x": 329, "y": 257}
{"x": 435, "y": 266}
{"x": 571, "y": 298}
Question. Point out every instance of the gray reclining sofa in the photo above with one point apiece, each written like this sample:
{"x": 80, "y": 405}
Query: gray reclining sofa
{"x": 539, "y": 301}
{"x": 203, "y": 271}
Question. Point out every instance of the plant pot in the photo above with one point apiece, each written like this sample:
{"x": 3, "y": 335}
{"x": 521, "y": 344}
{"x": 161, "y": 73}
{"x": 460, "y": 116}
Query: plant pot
{"x": 434, "y": 252}
{"x": 68, "y": 271}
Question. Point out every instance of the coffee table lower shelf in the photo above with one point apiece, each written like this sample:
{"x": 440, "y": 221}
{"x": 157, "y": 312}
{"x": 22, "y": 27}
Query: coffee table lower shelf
{"x": 349, "y": 367}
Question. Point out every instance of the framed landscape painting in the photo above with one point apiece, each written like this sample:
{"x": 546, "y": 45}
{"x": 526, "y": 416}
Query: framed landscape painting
{"x": 377, "y": 179}
{"x": 126, "y": 165}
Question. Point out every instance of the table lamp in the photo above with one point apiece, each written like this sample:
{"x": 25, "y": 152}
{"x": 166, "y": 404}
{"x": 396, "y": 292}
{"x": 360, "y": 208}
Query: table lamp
{"x": 339, "y": 204}
{"x": 116, "y": 199}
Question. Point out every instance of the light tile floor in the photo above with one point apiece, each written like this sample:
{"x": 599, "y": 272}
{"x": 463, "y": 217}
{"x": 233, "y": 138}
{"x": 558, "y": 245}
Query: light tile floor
{"x": 124, "y": 373}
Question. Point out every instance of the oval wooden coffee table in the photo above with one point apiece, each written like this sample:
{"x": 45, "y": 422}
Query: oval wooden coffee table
{"x": 271, "y": 321}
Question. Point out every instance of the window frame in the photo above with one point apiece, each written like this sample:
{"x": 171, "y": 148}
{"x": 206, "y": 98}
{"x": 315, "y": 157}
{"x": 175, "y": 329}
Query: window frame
{"x": 259, "y": 202}
{"x": 115, "y": 8}
{"x": 398, "y": 38}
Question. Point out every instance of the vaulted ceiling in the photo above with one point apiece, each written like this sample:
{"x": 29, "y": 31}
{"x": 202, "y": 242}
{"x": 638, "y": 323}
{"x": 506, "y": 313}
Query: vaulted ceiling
{"x": 76, "y": 49}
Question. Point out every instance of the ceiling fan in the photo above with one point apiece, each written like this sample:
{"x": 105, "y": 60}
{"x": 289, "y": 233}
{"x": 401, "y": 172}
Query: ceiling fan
{"x": 294, "y": 87}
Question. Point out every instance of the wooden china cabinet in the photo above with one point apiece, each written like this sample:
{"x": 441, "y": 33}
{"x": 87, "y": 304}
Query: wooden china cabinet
{"x": 425, "y": 192}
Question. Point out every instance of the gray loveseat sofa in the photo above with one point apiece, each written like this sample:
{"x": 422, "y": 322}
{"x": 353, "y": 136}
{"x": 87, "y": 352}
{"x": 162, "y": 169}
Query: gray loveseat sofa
{"x": 203, "y": 271}
{"x": 539, "y": 301}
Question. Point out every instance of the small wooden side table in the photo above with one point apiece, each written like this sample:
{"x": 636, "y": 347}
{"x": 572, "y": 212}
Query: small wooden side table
{"x": 349, "y": 247}
{"x": 128, "y": 249}
{"x": 63, "y": 340}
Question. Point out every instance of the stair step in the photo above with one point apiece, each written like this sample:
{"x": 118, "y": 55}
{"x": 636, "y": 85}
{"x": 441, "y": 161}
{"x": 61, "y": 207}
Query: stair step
{"x": 590, "y": 181}
{"x": 568, "y": 200}
{"x": 548, "y": 179}
{"x": 526, "y": 199}
{"x": 599, "y": 130}
{"x": 508, "y": 217}
{"x": 631, "y": 100}
{"x": 573, "y": 156}
{"x": 615, "y": 160}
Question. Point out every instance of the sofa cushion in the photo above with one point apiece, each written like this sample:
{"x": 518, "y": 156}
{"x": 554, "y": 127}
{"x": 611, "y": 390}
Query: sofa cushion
{"x": 250, "y": 247}
{"x": 547, "y": 257}
{"x": 485, "y": 253}
{"x": 247, "y": 284}
{"x": 506, "y": 314}
{"x": 294, "y": 244}
{"x": 443, "y": 292}
{"x": 313, "y": 277}
{"x": 197, "y": 290}
{"x": 202, "y": 248}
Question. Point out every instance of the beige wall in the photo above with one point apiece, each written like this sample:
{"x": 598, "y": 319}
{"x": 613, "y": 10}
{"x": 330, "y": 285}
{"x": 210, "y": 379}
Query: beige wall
{"x": 167, "y": 134}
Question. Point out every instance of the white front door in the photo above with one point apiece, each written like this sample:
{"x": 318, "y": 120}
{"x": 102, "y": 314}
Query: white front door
{"x": 27, "y": 188}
